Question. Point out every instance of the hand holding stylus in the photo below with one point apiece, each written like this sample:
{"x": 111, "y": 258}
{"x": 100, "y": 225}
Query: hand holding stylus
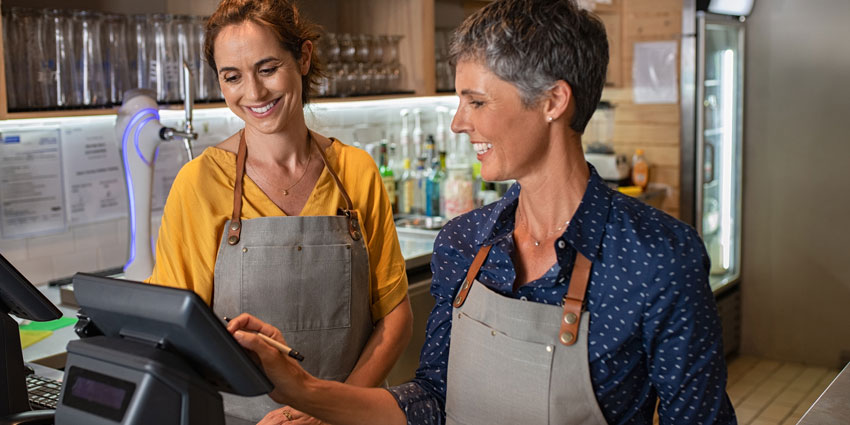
{"x": 281, "y": 347}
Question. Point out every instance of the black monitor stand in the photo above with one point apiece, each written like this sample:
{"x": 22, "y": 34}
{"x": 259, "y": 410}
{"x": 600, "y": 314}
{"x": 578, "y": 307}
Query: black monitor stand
{"x": 19, "y": 297}
{"x": 13, "y": 387}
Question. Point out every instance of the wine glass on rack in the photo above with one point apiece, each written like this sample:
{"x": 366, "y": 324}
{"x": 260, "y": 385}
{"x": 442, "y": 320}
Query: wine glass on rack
{"x": 361, "y": 71}
{"x": 348, "y": 81}
{"x": 334, "y": 69}
{"x": 376, "y": 59}
{"x": 395, "y": 69}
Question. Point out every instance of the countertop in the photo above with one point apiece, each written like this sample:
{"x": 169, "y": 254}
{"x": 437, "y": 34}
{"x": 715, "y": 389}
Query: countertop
{"x": 833, "y": 406}
{"x": 416, "y": 247}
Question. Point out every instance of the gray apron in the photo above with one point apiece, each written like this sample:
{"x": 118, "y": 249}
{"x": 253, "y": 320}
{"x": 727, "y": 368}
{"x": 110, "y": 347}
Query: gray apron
{"x": 519, "y": 362}
{"x": 307, "y": 276}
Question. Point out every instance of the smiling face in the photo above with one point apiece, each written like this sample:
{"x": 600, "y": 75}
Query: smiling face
{"x": 260, "y": 80}
{"x": 510, "y": 139}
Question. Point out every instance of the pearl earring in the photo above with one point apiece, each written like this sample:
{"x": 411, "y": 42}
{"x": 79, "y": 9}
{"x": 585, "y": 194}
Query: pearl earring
{"x": 550, "y": 119}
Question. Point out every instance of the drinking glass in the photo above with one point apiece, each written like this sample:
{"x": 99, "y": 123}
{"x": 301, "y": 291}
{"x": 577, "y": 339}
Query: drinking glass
{"x": 9, "y": 43}
{"x": 115, "y": 62}
{"x": 91, "y": 80}
{"x": 206, "y": 77}
{"x": 163, "y": 57}
{"x": 395, "y": 69}
{"x": 139, "y": 51}
{"x": 59, "y": 54}
{"x": 31, "y": 69}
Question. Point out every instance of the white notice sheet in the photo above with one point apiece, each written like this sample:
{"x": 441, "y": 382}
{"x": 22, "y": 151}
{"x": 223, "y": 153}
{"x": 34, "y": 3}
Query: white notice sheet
{"x": 169, "y": 160}
{"x": 30, "y": 183}
{"x": 94, "y": 180}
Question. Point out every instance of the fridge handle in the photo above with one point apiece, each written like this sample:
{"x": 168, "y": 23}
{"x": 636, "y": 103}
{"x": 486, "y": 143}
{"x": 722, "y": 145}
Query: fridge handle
{"x": 708, "y": 163}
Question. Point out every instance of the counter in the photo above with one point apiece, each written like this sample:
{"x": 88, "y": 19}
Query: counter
{"x": 416, "y": 247}
{"x": 833, "y": 406}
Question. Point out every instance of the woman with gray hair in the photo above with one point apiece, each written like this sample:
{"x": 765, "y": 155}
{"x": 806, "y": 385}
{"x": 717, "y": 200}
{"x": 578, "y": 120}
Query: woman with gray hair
{"x": 564, "y": 302}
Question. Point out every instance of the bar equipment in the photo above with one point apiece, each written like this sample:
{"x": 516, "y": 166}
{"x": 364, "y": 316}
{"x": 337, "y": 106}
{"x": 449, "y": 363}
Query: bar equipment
{"x": 139, "y": 134}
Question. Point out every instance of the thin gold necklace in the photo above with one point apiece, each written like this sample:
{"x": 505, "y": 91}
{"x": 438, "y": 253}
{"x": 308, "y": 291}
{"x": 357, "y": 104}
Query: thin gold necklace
{"x": 306, "y": 168}
{"x": 523, "y": 220}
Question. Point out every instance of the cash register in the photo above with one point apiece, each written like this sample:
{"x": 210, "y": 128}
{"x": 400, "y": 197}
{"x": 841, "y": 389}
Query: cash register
{"x": 147, "y": 355}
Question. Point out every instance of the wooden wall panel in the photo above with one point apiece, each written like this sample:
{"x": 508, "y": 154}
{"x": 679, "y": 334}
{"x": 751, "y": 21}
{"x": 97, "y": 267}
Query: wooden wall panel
{"x": 655, "y": 128}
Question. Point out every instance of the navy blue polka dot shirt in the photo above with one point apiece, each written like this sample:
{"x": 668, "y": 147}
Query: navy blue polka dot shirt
{"x": 654, "y": 331}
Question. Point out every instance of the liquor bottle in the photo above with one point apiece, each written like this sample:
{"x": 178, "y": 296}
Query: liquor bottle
{"x": 418, "y": 136}
{"x": 406, "y": 189}
{"x": 420, "y": 176}
{"x": 387, "y": 176}
{"x": 404, "y": 135}
{"x": 435, "y": 203}
{"x": 440, "y": 132}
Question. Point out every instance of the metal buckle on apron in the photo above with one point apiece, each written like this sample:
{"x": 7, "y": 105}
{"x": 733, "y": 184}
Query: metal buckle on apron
{"x": 353, "y": 223}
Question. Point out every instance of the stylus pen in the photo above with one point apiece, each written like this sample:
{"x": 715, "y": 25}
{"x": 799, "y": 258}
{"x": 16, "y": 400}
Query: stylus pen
{"x": 280, "y": 347}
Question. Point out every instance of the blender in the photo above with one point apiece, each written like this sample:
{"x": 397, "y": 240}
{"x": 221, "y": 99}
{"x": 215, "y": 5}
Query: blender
{"x": 612, "y": 167}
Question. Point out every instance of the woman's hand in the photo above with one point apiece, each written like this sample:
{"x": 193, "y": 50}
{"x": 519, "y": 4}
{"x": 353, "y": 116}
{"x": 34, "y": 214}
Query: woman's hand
{"x": 285, "y": 373}
{"x": 288, "y": 415}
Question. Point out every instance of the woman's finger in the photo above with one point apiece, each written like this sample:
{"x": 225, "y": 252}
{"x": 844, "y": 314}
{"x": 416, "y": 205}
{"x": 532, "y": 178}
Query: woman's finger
{"x": 248, "y": 322}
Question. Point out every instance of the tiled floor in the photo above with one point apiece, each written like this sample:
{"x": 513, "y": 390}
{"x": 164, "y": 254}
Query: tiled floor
{"x": 773, "y": 392}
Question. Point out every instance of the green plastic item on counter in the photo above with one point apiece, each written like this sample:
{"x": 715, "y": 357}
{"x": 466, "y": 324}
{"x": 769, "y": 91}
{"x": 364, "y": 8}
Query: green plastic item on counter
{"x": 49, "y": 326}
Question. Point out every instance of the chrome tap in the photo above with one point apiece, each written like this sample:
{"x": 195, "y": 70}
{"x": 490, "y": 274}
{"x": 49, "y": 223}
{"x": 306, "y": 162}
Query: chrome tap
{"x": 187, "y": 135}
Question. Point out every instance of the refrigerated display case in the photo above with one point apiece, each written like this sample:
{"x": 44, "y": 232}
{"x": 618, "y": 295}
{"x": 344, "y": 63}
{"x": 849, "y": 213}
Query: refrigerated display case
{"x": 712, "y": 88}
{"x": 712, "y": 141}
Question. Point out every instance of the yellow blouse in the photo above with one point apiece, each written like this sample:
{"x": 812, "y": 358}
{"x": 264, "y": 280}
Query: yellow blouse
{"x": 201, "y": 202}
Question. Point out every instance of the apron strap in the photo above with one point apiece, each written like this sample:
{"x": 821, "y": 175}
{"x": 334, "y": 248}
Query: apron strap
{"x": 235, "y": 229}
{"x": 348, "y": 212}
{"x": 573, "y": 299}
{"x": 477, "y": 262}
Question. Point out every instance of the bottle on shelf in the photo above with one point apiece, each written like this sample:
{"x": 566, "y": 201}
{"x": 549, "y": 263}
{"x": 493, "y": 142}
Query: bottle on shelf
{"x": 404, "y": 135}
{"x": 420, "y": 176}
{"x": 417, "y": 134}
{"x": 387, "y": 175}
{"x": 440, "y": 131}
{"x": 435, "y": 205}
{"x": 406, "y": 189}
{"x": 640, "y": 170}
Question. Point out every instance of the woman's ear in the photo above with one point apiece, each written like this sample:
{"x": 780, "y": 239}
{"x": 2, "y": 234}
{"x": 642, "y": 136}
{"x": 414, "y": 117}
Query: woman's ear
{"x": 306, "y": 56}
{"x": 558, "y": 102}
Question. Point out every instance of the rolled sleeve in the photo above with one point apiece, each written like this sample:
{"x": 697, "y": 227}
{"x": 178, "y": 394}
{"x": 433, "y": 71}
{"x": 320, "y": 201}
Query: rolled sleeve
{"x": 420, "y": 407}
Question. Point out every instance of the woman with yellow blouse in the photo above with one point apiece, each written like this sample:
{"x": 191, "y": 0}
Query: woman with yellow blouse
{"x": 282, "y": 222}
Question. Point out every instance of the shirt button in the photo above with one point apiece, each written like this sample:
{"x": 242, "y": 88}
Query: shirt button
{"x": 562, "y": 244}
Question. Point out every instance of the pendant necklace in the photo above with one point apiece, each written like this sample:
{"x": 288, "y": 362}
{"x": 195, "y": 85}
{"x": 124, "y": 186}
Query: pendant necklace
{"x": 524, "y": 223}
{"x": 306, "y": 168}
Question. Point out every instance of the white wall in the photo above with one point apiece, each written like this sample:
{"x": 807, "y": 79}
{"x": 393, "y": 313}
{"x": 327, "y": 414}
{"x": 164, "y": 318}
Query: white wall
{"x": 796, "y": 258}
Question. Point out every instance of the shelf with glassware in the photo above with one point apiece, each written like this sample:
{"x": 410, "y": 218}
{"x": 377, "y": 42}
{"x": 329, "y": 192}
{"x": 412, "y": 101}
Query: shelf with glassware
{"x": 373, "y": 48}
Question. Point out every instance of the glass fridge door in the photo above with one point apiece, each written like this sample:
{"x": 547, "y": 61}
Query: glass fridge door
{"x": 719, "y": 138}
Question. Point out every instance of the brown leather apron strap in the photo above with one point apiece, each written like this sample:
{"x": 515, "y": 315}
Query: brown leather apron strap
{"x": 477, "y": 262}
{"x": 349, "y": 212}
{"x": 574, "y": 300}
{"x": 235, "y": 228}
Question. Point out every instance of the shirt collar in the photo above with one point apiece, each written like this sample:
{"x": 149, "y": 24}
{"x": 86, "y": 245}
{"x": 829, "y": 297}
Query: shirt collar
{"x": 586, "y": 227}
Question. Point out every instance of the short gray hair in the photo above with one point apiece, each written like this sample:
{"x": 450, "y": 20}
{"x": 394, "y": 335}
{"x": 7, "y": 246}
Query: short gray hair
{"x": 534, "y": 43}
